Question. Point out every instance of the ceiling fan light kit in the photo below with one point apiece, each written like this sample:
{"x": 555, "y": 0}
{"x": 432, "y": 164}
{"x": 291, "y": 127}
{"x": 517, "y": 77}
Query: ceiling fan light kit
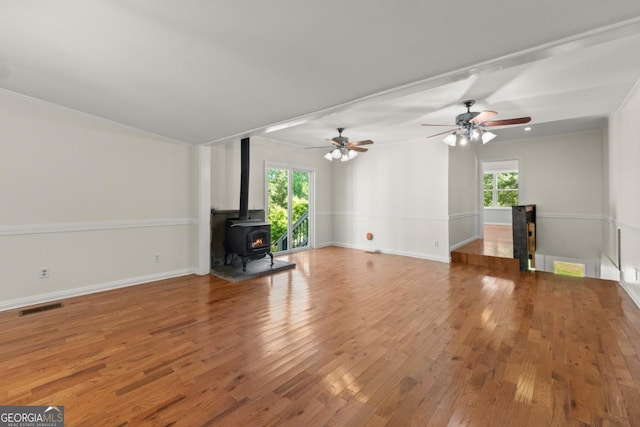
{"x": 451, "y": 139}
{"x": 487, "y": 136}
{"x": 343, "y": 149}
{"x": 471, "y": 126}
{"x": 462, "y": 138}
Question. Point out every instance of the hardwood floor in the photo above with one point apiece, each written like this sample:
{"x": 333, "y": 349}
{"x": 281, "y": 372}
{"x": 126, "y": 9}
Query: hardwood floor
{"x": 498, "y": 233}
{"x": 498, "y": 241}
{"x": 348, "y": 338}
{"x": 494, "y": 251}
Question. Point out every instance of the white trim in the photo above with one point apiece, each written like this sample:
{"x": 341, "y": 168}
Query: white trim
{"x": 499, "y": 166}
{"x": 393, "y": 252}
{"x": 17, "y": 230}
{"x": 392, "y": 217}
{"x": 455, "y": 216}
{"x": 513, "y": 167}
{"x": 632, "y": 227}
{"x": 267, "y": 164}
{"x": 464, "y": 242}
{"x": 463, "y": 215}
{"x": 587, "y": 217}
{"x": 610, "y": 265}
{"x": 91, "y": 289}
{"x": 633, "y": 296}
{"x": 203, "y": 209}
{"x": 618, "y": 224}
{"x": 506, "y": 224}
{"x": 630, "y": 95}
{"x": 324, "y": 245}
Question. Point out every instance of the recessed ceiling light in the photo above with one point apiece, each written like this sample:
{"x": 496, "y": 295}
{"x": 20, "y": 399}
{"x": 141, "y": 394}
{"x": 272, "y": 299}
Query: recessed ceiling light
{"x": 527, "y": 129}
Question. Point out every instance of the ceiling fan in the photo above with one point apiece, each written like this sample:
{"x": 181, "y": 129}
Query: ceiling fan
{"x": 471, "y": 126}
{"x": 343, "y": 149}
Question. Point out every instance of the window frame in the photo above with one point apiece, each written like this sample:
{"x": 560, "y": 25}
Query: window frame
{"x": 495, "y": 190}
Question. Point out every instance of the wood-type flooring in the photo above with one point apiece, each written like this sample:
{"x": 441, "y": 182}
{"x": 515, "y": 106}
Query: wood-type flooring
{"x": 495, "y": 251}
{"x": 348, "y": 338}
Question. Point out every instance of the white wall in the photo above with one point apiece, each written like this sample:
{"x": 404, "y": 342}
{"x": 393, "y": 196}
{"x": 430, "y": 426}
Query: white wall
{"x": 497, "y": 216}
{"x": 464, "y": 195}
{"x": 398, "y": 192}
{"x": 562, "y": 175}
{"x": 91, "y": 200}
{"x": 623, "y": 204}
{"x": 225, "y": 179}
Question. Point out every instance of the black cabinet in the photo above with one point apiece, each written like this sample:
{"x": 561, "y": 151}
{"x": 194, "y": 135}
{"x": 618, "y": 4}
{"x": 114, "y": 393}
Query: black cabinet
{"x": 524, "y": 235}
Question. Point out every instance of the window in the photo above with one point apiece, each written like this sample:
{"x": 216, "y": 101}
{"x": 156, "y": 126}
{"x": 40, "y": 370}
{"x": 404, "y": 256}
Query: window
{"x": 500, "y": 189}
{"x": 568, "y": 268}
{"x": 288, "y": 211}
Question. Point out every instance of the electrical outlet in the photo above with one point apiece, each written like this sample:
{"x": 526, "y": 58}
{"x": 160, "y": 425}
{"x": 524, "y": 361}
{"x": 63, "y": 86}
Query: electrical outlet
{"x": 636, "y": 273}
{"x": 44, "y": 273}
{"x": 435, "y": 243}
{"x": 156, "y": 258}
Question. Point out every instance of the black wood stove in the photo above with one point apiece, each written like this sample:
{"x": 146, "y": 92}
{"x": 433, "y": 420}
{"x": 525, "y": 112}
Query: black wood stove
{"x": 249, "y": 239}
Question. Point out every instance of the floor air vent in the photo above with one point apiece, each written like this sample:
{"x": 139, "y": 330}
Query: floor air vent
{"x": 40, "y": 309}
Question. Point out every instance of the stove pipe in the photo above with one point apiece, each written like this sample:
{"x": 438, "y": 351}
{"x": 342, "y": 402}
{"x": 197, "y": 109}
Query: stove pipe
{"x": 244, "y": 179}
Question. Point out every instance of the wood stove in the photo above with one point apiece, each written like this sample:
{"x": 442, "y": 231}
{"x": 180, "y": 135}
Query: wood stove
{"x": 250, "y": 239}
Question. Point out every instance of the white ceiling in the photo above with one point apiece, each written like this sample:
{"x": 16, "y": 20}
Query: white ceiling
{"x": 205, "y": 71}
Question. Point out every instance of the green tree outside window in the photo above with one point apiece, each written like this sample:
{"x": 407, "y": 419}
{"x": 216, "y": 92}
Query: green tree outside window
{"x": 500, "y": 189}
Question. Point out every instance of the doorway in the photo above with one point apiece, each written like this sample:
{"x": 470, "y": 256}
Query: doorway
{"x": 289, "y": 208}
{"x": 500, "y": 191}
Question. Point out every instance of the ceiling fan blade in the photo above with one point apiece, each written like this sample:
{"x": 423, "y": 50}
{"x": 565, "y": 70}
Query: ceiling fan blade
{"x": 442, "y": 133}
{"x": 431, "y": 124}
{"x": 483, "y": 116}
{"x": 359, "y": 149}
{"x": 356, "y": 143}
{"x": 506, "y": 122}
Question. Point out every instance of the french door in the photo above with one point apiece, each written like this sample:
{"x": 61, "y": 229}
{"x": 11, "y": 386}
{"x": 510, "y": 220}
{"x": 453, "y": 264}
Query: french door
{"x": 289, "y": 208}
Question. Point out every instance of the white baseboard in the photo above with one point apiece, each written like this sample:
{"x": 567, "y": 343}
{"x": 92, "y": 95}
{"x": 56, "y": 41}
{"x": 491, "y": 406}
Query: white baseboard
{"x": 464, "y": 242}
{"x": 85, "y": 290}
{"x": 324, "y": 245}
{"x": 393, "y": 252}
{"x": 635, "y": 298}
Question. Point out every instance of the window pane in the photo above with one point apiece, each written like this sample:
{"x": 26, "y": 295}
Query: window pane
{"x": 488, "y": 198}
{"x": 300, "y": 206}
{"x": 507, "y": 180}
{"x": 488, "y": 181}
{"x": 507, "y": 198}
{"x": 279, "y": 208}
